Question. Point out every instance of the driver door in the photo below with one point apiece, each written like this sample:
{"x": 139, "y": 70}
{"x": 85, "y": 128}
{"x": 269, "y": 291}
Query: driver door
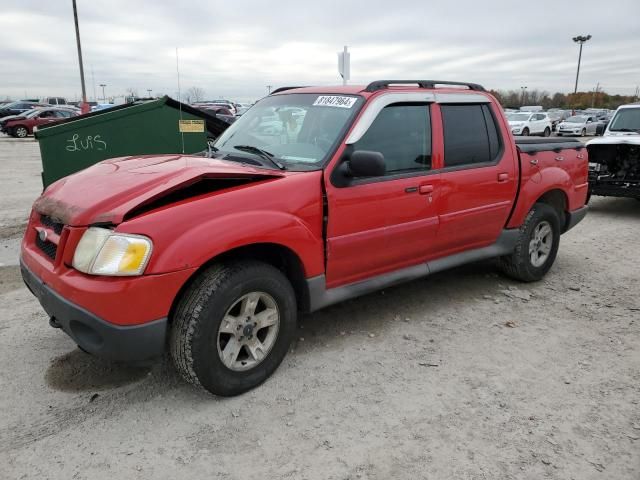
{"x": 381, "y": 224}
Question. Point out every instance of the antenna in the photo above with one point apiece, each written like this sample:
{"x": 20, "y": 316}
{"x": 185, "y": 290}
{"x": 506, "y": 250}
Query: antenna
{"x": 179, "y": 99}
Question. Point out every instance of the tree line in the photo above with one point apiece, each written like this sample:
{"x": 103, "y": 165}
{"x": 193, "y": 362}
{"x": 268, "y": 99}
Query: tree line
{"x": 578, "y": 101}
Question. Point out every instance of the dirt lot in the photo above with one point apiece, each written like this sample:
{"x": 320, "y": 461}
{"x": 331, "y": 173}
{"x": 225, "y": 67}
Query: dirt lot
{"x": 464, "y": 375}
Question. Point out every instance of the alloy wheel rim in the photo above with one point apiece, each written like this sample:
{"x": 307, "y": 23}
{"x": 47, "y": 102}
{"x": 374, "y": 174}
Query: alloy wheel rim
{"x": 248, "y": 331}
{"x": 21, "y": 132}
{"x": 541, "y": 243}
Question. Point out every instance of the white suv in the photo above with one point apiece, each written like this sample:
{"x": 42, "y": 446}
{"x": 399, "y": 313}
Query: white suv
{"x": 625, "y": 122}
{"x": 529, "y": 123}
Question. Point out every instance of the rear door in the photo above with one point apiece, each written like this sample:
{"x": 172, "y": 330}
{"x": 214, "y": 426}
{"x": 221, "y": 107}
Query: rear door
{"x": 385, "y": 223}
{"x": 478, "y": 181}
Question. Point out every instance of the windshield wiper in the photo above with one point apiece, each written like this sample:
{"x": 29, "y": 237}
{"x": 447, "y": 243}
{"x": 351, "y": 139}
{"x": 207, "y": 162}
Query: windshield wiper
{"x": 261, "y": 153}
{"x": 624, "y": 130}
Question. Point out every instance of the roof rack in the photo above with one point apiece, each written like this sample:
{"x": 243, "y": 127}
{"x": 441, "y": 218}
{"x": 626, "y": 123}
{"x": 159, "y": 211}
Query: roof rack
{"x": 283, "y": 89}
{"x": 380, "y": 84}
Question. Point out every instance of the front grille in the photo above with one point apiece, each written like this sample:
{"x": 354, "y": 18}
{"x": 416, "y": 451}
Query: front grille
{"x": 50, "y": 249}
{"x": 51, "y": 223}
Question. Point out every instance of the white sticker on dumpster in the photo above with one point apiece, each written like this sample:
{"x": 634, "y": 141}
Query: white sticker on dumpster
{"x": 334, "y": 101}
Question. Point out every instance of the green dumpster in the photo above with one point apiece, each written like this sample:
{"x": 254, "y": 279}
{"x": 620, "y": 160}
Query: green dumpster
{"x": 153, "y": 127}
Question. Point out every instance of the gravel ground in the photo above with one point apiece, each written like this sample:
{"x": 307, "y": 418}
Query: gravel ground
{"x": 463, "y": 375}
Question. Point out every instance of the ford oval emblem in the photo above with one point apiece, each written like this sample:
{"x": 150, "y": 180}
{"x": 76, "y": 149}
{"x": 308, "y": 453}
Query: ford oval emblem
{"x": 42, "y": 234}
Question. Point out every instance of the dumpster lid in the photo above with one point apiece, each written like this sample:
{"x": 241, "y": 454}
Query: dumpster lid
{"x": 214, "y": 125}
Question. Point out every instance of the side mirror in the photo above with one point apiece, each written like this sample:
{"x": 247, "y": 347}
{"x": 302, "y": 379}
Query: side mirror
{"x": 364, "y": 163}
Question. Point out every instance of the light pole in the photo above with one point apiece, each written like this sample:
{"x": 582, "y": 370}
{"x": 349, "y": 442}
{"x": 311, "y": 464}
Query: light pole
{"x": 104, "y": 98}
{"x": 595, "y": 94}
{"x": 581, "y": 39}
{"x": 522, "y": 96}
{"x": 149, "y": 92}
{"x": 84, "y": 91}
{"x": 268, "y": 89}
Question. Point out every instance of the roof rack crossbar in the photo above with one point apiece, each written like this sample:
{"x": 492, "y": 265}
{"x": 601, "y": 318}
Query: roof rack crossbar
{"x": 284, "y": 89}
{"x": 380, "y": 84}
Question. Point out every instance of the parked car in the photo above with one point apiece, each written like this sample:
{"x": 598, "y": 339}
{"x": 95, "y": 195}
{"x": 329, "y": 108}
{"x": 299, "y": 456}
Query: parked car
{"x": 614, "y": 164}
{"x": 23, "y": 126}
{"x": 16, "y": 108}
{"x": 4, "y": 120}
{"x": 580, "y": 125}
{"x": 526, "y": 123}
{"x": 557, "y": 116}
{"x": 531, "y": 108}
{"x": 55, "y": 100}
{"x": 378, "y": 186}
{"x": 101, "y": 106}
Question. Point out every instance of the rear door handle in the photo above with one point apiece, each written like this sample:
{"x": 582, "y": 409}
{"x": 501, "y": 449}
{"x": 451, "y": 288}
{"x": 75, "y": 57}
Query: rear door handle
{"x": 426, "y": 189}
{"x": 503, "y": 177}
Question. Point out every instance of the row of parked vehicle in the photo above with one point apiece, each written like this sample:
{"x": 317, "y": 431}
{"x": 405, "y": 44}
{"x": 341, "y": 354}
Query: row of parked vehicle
{"x": 224, "y": 109}
{"x": 533, "y": 121}
{"x": 19, "y": 119}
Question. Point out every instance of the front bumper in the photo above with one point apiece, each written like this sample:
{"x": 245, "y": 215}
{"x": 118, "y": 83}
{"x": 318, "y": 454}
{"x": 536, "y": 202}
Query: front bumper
{"x": 134, "y": 343}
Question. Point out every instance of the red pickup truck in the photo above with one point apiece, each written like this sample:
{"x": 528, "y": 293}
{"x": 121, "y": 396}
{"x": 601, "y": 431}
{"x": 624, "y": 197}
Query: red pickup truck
{"x": 315, "y": 195}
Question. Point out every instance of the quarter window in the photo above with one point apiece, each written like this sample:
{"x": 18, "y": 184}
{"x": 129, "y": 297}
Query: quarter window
{"x": 402, "y": 133}
{"x": 470, "y": 135}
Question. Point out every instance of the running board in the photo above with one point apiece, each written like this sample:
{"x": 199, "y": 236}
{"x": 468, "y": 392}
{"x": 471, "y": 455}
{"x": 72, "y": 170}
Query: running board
{"x": 320, "y": 297}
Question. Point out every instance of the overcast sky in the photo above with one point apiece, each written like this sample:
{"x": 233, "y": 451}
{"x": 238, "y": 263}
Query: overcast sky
{"x": 233, "y": 49}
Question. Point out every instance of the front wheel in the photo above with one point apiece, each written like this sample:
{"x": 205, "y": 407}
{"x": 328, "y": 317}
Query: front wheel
{"x": 537, "y": 245}
{"x": 232, "y": 328}
{"x": 583, "y": 133}
{"x": 525, "y": 132}
{"x": 547, "y": 132}
{"x": 20, "y": 132}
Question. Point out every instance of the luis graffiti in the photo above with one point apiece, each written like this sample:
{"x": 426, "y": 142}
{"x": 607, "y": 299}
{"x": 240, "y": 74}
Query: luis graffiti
{"x": 76, "y": 144}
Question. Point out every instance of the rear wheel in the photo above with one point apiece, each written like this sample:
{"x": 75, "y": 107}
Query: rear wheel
{"x": 537, "y": 245}
{"x": 20, "y": 131}
{"x": 232, "y": 328}
{"x": 525, "y": 132}
{"x": 547, "y": 132}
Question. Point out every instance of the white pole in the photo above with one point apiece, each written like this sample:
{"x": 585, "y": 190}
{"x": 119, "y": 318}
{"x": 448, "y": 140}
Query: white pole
{"x": 345, "y": 56}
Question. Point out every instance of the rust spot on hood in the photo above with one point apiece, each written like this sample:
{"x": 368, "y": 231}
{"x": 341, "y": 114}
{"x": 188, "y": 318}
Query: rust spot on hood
{"x": 56, "y": 209}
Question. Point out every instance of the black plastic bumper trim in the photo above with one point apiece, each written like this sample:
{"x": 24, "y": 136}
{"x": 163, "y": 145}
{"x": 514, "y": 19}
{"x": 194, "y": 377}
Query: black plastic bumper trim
{"x": 575, "y": 217}
{"x": 136, "y": 343}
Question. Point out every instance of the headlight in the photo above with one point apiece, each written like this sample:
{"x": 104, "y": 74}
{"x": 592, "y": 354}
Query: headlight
{"x": 102, "y": 252}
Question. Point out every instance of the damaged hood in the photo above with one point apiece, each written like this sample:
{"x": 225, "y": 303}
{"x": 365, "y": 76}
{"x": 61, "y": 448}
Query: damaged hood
{"x": 107, "y": 191}
{"x": 616, "y": 140}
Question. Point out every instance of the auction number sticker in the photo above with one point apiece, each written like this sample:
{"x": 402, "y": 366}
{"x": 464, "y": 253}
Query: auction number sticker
{"x": 335, "y": 101}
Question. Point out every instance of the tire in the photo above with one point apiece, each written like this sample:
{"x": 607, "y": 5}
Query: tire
{"x": 20, "y": 131}
{"x": 519, "y": 265}
{"x": 583, "y": 133}
{"x": 198, "y": 337}
{"x": 559, "y": 134}
{"x": 547, "y": 132}
{"x": 525, "y": 132}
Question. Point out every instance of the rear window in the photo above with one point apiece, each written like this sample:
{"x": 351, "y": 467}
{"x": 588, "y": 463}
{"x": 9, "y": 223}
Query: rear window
{"x": 470, "y": 135}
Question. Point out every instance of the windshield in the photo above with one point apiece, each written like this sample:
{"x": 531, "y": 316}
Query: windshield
{"x": 518, "y": 117}
{"x": 626, "y": 120}
{"x": 297, "y": 130}
{"x": 576, "y": 119}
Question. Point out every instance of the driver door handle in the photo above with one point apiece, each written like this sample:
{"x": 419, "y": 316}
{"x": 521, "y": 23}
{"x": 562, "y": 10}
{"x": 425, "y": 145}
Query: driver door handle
{"x": 426, "y": 189}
